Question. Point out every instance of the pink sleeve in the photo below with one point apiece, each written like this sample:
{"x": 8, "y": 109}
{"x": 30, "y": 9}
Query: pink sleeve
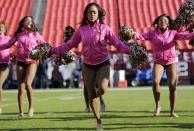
{"x": 184, "y": 36}
{"x": 143, "y": 36}
{"x": 8, "y": 44}
{"x": 39, "y": 38}
{"x": 73, "y": 42}
{"x": 121, "y": 47}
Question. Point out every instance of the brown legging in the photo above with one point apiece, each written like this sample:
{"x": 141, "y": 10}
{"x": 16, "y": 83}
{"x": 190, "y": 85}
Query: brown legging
{"x": 86, "y": 98}
{"x": 91, "y": 77}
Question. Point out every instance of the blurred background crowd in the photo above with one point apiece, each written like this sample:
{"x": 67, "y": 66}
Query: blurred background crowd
{"x": 50, "y": 75}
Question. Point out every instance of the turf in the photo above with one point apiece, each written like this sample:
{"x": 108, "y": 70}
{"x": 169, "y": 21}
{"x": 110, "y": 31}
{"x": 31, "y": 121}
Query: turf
{"x": 126, "y": 110}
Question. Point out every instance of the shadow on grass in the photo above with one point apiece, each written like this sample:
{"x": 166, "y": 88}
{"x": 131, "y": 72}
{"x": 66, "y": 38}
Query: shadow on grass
{"x": 76, "y": 116}
{"x": 51, "y": 129}
{"x": 143, "y": 111}
{"x": 107, "y": 114}
{"x": 120, "y": 126}
{"x": 49, "y": 118}
{"x": 58, "y": 112}
{"x": 149, "y": 126}
{"x": 107, "y": 111}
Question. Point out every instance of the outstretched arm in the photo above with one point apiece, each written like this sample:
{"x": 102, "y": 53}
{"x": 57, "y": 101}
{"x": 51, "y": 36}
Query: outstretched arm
{"x": 121, "y": 47}
{"x": 143, "y": 36}
{"x": 184, "y": 35}
{"x": 74, "y": 41}
{"x": 8, "y": 44}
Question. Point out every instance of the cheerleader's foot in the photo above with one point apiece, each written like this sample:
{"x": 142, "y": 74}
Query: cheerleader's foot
{"x": 157, "y": 111}
{"x": 21, "y": 114}
{"x": 174, "y": 115}
{"x": 31, "y": 113}
{"x": 87, "y": 109}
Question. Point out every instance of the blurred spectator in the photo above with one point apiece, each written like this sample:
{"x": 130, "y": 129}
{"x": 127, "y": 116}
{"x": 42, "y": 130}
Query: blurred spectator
{"x": 11, "y": 81}
{"x": 66, "y": 72}
{"x": 77, "y": 72}
{"x": 193, "y": 55}
{"x": 57, "y": 79}
{"x": 41, "y": 79}
{"x": 179, "y": 55}
{"x": 187, "y": 56}
{"x": 49, "y": 71}
{"x": 144, "y": 76}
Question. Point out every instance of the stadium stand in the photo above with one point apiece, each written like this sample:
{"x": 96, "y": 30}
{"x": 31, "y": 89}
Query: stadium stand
{"x": 138, "y": 14}
{"x": 60, "y": 14}
{"x": 14, "y": 10}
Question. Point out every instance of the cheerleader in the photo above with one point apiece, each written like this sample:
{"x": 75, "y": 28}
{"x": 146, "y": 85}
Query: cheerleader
{"x": 94, "y": 35}
{"x": 4, "y": 59}
{"x": 163, "y": 39}
{"x": 27, "y": 37}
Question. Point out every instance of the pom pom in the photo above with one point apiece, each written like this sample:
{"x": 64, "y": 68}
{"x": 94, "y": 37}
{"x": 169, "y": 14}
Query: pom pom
{"x": 138, "y": 56}
{"x": 126, "y": 33}
{"x": 185, "y": 14}
{"x": 65, "y": 58}
{"x": 69, "y": 56}
{"x": 41, "y": 52}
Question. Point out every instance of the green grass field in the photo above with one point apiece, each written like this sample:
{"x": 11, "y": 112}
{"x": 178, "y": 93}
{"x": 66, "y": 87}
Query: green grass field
{"x": 126, "y": 110}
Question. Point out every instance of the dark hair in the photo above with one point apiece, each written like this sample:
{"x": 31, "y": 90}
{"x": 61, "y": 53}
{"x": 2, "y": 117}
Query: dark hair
{"x": 171, "y": 21}
{"x": 21, "y": 25}
{"x": 101, "y": 13}
{"x": 6, "y": 29}
{"x": 68, "y": 33}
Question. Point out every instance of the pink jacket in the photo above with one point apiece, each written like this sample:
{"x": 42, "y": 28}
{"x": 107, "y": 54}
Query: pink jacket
{"x": 26, "y": 41}
{"x": 164, "y": 44}
{"x": 94, "y": 39}
{"x": 4, "y": 54}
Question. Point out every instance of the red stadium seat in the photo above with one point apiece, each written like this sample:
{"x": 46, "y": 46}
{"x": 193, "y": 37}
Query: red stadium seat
{"x": 138, "y": 14}
{"x": 13, "y": 10}
{"x": 60, "y": 14}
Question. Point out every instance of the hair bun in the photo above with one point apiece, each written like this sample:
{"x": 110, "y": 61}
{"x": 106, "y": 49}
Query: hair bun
{"x": 102, "y": 12}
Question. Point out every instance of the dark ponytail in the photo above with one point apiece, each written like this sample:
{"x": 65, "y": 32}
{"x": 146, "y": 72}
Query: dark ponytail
{"x": 102, "y": 14}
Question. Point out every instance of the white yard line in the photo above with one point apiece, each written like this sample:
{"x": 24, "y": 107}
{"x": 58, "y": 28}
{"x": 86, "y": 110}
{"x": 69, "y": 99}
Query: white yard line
{"x": 48, "y": 99}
